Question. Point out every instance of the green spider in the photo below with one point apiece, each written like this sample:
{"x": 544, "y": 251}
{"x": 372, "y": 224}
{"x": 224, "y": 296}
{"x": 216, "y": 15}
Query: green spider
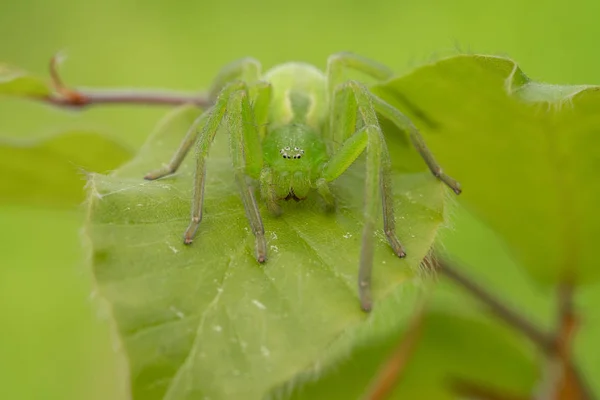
{"x": 295, "y": 129}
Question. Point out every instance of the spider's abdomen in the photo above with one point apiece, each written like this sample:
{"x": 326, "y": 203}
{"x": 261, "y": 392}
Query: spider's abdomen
{"x": 299, "y": 95}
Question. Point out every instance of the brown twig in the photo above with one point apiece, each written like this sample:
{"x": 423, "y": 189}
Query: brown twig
{"x": 569, "y": 384}
{"x": 83, "y": 98}
{"x": 392, "y": 369}
{"x": 78, "y": 98}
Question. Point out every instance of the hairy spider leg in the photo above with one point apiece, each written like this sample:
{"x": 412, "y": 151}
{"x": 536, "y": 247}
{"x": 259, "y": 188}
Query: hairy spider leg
{"x": 406, "y": 125}
{"x": 247, "y": 68}
{"x": 232, "y": 103}
{"x": 345, "y": 101}
{"x": 186, "y": 144}
{"x": 335, "y": 76}
{"x": 377, "y": 180}
{"x": 243, "y": 131}
{"x": 341, "y": 124}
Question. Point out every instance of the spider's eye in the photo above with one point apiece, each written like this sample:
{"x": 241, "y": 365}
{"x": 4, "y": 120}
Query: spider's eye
{"x": 295, "y": 154}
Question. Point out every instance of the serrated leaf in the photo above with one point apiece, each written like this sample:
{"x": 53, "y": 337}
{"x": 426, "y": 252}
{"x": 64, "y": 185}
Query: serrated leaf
{"x": 18, "y": 83}
{"x": 207, "y": 321}
{"x": 52, "y": 171}
{"x": 526, "y": 153}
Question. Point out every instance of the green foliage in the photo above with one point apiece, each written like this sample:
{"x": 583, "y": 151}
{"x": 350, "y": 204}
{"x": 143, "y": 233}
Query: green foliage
{"x": 526, "y": 154}
{"x": 44, "y": 335}
{"x": 207, "y": 319}
{"x": 51, "y": 172}
{"x": 453, "y": 347}
{"x": 52, "y": 346}
{"x": 18, "y": 83}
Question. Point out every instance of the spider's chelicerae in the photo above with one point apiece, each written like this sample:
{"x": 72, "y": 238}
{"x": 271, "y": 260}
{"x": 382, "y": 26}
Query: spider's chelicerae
{"x": 295, "y": 129}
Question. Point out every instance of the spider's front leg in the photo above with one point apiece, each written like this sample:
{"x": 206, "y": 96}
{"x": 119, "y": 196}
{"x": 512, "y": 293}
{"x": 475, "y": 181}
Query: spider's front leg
{"x": 234, "y": 104}
{"x": 377, "y": 179}
{"x": 244, "y": 141}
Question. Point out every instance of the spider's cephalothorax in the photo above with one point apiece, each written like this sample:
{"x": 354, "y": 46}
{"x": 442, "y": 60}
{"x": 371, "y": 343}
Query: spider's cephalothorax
{"x": 296, "y": 129}
{"x": 294, "y": 155}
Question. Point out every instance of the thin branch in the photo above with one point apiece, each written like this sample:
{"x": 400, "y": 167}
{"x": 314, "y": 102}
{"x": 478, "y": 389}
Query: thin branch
{"x": 548, "y": 343}
{"x": 504, "y": 312}
{"x": 79, "y": 98}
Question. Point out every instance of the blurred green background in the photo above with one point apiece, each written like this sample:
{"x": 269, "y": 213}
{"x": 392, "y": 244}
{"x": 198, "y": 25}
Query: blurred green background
{"x": 52, "y": 342}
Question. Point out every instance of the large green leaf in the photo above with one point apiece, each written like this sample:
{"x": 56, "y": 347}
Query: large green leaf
{"x": 207, "y": 321}
{"x": 52, "y": 171}
{"x": 18, "y": 83}
{"x": 526, "y": 153}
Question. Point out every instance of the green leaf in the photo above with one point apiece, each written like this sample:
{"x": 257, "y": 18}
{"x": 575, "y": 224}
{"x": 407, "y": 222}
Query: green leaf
{"x": 52, "y": 171}
{"x": 206, "y": 320}
{"x": 18, "y": 83}
{"x": 526, "y": 154}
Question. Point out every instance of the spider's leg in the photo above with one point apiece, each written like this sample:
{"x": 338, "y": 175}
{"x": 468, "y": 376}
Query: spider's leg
{"x": 247, "y": 69}
{"x": 377, "y": 180}
{"x": 405, "y": 124}
{"x": 345, "y": 60}
{"x": 240, "y": 120}
{"x": 184, "y": 147}
{"x": 209, "y": 129}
